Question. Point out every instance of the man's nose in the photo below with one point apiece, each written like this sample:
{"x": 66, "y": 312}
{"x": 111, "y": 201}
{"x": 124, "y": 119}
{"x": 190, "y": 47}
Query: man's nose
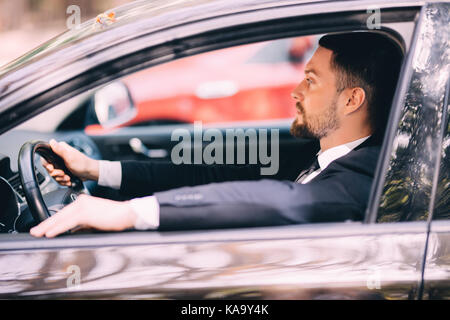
{"x": 297, "y": 94}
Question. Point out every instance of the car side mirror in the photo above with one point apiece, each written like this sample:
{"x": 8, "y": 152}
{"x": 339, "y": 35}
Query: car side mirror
{"x": 113, "y": 105}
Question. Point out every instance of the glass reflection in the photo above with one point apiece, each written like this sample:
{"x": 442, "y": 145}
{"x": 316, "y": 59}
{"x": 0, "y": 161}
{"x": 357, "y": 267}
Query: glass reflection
{"x": 442, "y": 207}
{"x": 407, "y": 188}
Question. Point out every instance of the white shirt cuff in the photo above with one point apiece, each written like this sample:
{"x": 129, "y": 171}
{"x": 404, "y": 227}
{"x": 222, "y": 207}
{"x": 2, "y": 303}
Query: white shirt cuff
{"x": 147, "y": 212}
{"x": 109, "y": 174}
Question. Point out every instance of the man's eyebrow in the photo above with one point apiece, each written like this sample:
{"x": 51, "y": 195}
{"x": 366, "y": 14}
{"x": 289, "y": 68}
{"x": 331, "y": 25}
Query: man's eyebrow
{"x": 311, "y": 70}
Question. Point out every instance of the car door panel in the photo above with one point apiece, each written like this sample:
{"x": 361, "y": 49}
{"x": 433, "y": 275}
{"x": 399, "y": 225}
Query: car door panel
{"x": 323, "y": 261}
{"x": 437, "y": 266}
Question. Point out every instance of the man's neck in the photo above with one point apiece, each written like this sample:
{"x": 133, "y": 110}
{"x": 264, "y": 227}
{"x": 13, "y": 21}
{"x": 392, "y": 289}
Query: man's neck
{"x": 335, "y": 140}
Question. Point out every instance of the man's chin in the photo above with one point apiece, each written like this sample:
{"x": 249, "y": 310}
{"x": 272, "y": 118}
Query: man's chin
{"x": 300, "y": 131}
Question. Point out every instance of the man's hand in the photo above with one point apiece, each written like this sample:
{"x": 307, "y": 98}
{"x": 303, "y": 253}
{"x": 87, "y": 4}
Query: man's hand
{"x": 88, "y": 212}
{"x": 78, "y": 163}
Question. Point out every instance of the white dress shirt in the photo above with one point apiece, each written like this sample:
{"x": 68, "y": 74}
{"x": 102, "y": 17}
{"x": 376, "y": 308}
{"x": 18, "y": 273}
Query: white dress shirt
{"x": 147, "y": 208}
{"x": 326, "y": 157}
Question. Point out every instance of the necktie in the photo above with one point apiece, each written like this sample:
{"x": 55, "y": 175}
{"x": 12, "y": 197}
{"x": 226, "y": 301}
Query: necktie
{"x": 302, "y": 176}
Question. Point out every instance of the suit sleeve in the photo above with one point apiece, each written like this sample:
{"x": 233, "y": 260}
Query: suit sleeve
{"x": 143, "y": 178}
{"x": 262, "y": 203}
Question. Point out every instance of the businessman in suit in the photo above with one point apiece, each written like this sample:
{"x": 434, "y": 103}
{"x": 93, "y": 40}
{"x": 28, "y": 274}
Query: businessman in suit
{"x": 343, "y": 102}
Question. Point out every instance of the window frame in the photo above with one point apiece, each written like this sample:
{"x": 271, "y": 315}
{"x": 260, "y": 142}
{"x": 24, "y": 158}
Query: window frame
{"x": 403, "y": 87}
{"x": 444, "y": 125}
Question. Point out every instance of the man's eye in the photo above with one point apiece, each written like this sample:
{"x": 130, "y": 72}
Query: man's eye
{"x": 309, "y": 81}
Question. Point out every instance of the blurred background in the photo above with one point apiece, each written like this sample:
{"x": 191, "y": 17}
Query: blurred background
{"x": 25, "y": 24}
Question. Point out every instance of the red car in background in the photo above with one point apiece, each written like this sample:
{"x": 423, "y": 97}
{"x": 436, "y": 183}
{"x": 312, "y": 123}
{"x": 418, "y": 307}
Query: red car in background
{"x": 232, "y": 83}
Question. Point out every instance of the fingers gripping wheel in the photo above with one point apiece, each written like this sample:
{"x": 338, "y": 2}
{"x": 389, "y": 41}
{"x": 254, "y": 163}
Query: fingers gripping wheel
{"x": 29, "y": 181}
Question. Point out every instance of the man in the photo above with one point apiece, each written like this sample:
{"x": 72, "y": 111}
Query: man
{"x": 343, "y": 102}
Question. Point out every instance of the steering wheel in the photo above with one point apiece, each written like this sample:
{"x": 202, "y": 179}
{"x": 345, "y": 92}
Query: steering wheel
{"x": 30, "y": 183}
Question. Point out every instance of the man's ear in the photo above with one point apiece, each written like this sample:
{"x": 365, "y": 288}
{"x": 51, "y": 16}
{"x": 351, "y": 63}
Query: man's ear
{"x": 355, "y": 98}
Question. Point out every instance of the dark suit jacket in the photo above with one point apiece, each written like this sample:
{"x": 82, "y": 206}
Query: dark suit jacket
{"x": 338, "y": 193}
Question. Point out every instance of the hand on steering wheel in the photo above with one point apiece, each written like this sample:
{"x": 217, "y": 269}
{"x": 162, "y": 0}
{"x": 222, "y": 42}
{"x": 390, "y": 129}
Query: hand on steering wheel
{"x": 29, "y": 181}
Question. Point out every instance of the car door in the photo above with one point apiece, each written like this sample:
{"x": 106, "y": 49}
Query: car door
{"x": 336, "y": 260}
{"x": 437, "y": 264}
{"x": 418, "y": 188}
{"x": 427, "y": 166}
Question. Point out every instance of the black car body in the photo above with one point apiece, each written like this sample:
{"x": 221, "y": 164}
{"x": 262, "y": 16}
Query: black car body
{"x": 400, "y": 250}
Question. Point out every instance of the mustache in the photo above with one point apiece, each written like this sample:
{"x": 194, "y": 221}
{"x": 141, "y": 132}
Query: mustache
{"x": 299, "y": 107}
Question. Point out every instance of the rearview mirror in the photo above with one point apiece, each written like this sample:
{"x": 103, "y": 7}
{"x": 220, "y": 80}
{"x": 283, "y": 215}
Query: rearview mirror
{"x": 113, "y": 105}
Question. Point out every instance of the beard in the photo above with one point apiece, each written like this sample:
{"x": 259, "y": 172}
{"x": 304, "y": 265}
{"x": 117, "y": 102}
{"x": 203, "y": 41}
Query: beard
{"x": 317, "y": 126}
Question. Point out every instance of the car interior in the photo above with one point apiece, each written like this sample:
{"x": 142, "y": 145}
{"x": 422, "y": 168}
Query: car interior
{"x": 133, "y": 117}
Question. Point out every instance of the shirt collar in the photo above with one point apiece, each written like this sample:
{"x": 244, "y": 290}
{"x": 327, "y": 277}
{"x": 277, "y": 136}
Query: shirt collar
{"x": 328, "y": 156}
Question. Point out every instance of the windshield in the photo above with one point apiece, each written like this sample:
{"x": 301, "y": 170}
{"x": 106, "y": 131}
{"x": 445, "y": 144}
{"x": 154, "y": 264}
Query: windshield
{"x": 138, "y": 10}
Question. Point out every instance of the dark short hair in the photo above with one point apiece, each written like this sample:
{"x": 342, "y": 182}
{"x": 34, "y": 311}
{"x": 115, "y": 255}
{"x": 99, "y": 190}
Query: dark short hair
{"x": 371, "y": 61}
